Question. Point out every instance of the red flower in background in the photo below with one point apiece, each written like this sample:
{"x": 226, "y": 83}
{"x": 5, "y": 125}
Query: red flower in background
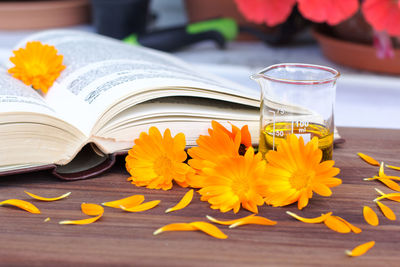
{"x": 383, "y": 15}
{"x": 270, "y": 12}
{"x": 329, "y": 11}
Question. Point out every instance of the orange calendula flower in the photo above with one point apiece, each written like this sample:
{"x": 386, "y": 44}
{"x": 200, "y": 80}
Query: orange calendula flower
{"x": 37, "y": 65}
{"x": 22, "y": 204}
{"x": 187, "y": 198}
{"x": 47, "y": 198}
{"x": 88, "y": 209}
{"x": 360, "y": 249}
{"x": 218, "y": 144}
{"x": 235, "y": 181}
{"x": 155, "y": 160}
{"x": 295, "y": 171}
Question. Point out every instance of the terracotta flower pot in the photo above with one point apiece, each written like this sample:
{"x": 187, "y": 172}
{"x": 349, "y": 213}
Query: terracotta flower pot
{"x": 357, "y": 55}
{"x": 26, "y": 15}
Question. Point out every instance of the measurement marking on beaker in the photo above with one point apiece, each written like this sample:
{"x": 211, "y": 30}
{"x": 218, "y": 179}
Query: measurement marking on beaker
{"x": 273, "y": 129}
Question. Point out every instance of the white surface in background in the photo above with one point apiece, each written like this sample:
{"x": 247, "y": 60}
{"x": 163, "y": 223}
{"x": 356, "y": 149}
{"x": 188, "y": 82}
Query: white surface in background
{"x": 361, "y": 100}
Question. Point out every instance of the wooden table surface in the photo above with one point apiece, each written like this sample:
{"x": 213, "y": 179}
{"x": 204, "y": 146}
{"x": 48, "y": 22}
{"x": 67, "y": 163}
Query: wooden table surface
{"x": 122, "y": 238}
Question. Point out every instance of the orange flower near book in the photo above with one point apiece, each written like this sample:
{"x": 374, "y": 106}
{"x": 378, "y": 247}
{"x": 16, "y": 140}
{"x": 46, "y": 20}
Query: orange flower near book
{"x": 155, "y": 160}
{"x": 37, "y": 65}
{"x": 235, "y": 181}
{"x": 295, "y": 171}
{"x": 219, "y": 143}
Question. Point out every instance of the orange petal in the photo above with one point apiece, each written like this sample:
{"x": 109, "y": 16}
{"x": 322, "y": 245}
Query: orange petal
{"x": 353, "y": 228}
{"x": 142, "y": 207}
{"x": 92, "y": 209}
{"x": 393, "y": 167}
{"x": 370, "y": 216}
{"x": 253, "y": 220}
{"x": 82, "y": 222}
{"x": 319, "y": 219}
{"x": 381, "y": 170}
{"x": 386, "y": 211}
{"x": 127, "y": 202}
{"x": 187, "y": 198}
{"x": 22, "y": 204}
{"x": 88, "y": 209}
{"x": 389, "y": 183}
{"x": 368, "y": 159}
{"x": 227, "y": 222}
{"x": 175, "y": 227}
{"x": 337, "y": 225}
{"x": 360, "y": 249}
{"x": 210, "y": 229}
{"x": 391, "y": 196}
{"x": 202, "y": 226}
{"x": 47, "y": 199}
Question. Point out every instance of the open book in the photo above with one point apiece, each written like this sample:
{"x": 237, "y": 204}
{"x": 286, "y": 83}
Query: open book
{"x": 108, "y": 94}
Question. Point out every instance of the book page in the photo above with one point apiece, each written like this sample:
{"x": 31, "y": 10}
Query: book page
{"x": 101, "y": 72}
{"x": 18, "y": 97}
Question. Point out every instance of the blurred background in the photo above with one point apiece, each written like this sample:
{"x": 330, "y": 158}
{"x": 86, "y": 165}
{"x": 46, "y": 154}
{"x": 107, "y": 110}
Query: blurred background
{"x": 236, "y": 38}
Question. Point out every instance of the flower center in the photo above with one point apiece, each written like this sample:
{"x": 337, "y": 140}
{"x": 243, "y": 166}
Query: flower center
{"x": 163, "y": 166}
{"x": 301, "y": 179}
{"x": 240, "y": 185}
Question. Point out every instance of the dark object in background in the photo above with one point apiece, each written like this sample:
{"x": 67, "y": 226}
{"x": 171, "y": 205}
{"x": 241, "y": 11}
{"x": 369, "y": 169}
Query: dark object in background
{"x": 119, "y": 18}
{"x": 219, "y": 30}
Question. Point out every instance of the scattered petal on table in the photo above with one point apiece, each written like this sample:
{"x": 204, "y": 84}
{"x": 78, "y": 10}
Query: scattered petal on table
{"x": 187, "y": 198}
{"x": 142, "y": 207}
{"x": 393, "y": 167}
{"x": 368, "y": 159}
{"x": 46, "y": 198}
{"x": 175, "y": 227}
{"x": 22, "y": 204}
{"x": 253, "y": 220}
{"x": 360, "y": 249}
{"x": 230, "y": 222}
{"x": 88, "y": 209}
{"x": 207, "y": 228}
{"x": 337, "y": 225}
{"x": 386, "y": 211}
{"x": 47, "y": 219}
{"x": 210, "y": 229}
{"x": 391, "y": 184}
{"x": 353, "y": 228}
{"x": 381, "y": 170}
{"x": 319, "y": 219}
{"x": 81, "y": 222}
{"x": 391, "y": 196}
{"x": 370, "y": 216}
{"x": 127, "y": 202}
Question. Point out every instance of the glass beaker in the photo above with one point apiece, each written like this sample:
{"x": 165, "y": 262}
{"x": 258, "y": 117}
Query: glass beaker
{"x": 297, "y": 99}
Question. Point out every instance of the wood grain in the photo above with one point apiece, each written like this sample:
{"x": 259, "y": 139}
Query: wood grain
{"x": 121, "y": 238}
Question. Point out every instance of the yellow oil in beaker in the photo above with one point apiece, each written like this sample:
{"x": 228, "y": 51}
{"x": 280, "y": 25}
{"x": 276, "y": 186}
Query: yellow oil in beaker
{"x": 272, "y": 132}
